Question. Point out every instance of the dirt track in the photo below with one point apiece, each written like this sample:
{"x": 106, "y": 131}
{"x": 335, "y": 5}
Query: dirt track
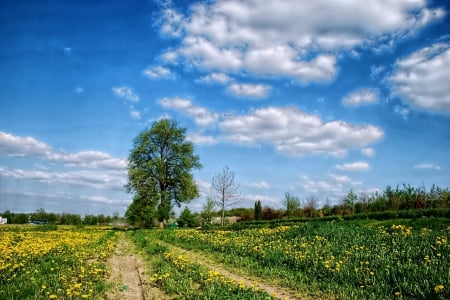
{"x": 129, "y": 273}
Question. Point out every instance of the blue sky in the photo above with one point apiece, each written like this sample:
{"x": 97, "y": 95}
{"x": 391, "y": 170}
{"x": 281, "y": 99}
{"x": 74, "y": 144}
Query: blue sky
{"x": 309, "y": 97}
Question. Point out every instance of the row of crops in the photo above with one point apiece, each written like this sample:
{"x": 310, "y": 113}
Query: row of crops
{"x": 53, "y": 264}
{"x": 346, "y": 260}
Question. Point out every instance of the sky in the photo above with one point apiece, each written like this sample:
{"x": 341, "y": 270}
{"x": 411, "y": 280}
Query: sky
{"x": 313, "y": 98}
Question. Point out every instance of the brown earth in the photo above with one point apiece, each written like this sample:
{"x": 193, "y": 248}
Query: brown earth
{"x": 128, "y": 273}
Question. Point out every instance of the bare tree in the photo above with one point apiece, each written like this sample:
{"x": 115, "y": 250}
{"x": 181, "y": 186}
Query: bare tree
{"x": 224, "y": 191}
{"x": 310, "y": 205}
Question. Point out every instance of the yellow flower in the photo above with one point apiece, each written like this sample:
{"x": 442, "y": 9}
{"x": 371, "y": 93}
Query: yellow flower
{"x": 438, "y": 288}
{"x": 52, "y": 296}
{"x": 397, "y": 294}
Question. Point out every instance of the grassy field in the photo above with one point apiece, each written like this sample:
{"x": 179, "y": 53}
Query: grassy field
{"x": 345, "y": 260}
{"x": 392, "y": 259}
{"x": 40, "y": 262}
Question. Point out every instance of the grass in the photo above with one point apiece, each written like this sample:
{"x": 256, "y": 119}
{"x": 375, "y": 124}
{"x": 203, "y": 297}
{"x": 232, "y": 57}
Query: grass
{"x": 346, "y": 260}
{"x": 46, "y": 263}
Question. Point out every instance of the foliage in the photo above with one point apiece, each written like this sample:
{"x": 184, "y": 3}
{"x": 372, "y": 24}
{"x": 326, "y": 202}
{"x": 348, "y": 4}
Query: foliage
{"x": 258, "y": 211}
{"x": 292, "y": 205}
{"x": 187, "y": 219}
{"x": 224, "y": 190}
{"x": 159, "y": 172}
{"x": 207, "y": 213}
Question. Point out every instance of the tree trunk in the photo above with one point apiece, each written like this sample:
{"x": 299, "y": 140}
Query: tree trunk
{"x": 161, "y": 224}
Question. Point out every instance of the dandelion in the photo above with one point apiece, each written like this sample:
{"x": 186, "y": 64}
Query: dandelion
{"x": 438, "y": 288}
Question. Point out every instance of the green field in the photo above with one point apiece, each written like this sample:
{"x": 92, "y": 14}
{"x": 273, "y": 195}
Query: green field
{"x": 393, "y": 259}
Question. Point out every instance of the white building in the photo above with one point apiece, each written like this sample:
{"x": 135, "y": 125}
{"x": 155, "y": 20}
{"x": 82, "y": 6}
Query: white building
{"x": 3, "y": 220}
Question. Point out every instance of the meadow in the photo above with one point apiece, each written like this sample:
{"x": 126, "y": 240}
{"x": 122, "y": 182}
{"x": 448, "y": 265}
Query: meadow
{"x": 344, "y": 260}
{"x": 393, "y": 259}
{"x": 46, "y": 262}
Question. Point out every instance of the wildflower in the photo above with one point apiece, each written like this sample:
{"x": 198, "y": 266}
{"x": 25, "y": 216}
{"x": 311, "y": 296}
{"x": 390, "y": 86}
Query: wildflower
{"x": 397, "y": 294}
{"x": 438, "y": 288}
{"x": 52, "y": 296}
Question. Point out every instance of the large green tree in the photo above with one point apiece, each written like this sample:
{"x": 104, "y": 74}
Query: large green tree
{"x": 159, "y": 172}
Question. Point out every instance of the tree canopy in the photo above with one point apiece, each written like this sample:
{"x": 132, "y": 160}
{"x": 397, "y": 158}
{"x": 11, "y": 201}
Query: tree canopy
{"x": 159, "y": 172}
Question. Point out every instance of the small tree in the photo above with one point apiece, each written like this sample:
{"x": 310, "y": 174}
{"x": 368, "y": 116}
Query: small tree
{"x": 207, "y": 213}
{"x": 186, "y": 218}
{"x": 349, "y": 200}
{"x": 258, "y": 210}
{"x": 292, "y": 204}
{"x": 224, "y": 191}
{"x": 159, "y": 175}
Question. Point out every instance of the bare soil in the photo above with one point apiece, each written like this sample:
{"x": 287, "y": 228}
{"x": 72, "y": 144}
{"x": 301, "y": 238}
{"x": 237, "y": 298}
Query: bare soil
{"x": 128, "y": 273}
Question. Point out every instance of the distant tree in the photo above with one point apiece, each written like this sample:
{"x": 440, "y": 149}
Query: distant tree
{"x": 292, "y": 205}
{"x": 224, "y": 191}
{"x": 186, "y": 218}
{"x": 159, "y": 167}
{"x": 258, "y": 213}
{"x": 349, "y": 201}
{"x": 207, "y": 213}
{"x": 310, "y": 205}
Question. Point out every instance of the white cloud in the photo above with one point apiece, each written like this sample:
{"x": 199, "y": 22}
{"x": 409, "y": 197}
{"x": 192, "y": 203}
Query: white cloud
{"x": 201, "y": 139}
{"x": 369, "y": 152}
{"x": 260, "y": 185}
{"x": 126, "y": 93}
{"x": 402, "y": 110}
{"x": 249, "y": 90}
{"x": 157, "y": 72}
{"x": 421, "y": 79}
{"x": 294, "y": 132}
{"x": 201, "y": 115}
{"x": 88, "y": 178}
{"x": 220, "y": 78}
{"x": 355, "y": 166}
{"x": 12, "y": 145}
{"x": 428, "y": 166}
{"x": 135, "y": 114}
{"x": 376, "y": 71}
{"x": 288, "y": 38}
{"x": 361, "y": 97}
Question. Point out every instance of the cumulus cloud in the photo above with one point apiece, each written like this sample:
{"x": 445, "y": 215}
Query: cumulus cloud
{"x": 126, "y": 93}
{"x": 12, "y": 145}
{"x": 249, "y": 90}
{"x": 361, "y": 97}
{"x": 421, "y": 79}
{"x": 355, "y": 166}
{"x": 287, "y": 38}
{"x": 220, "y": 78}
{"x": 157, "y": 72}
{"x": 294, "y": 132}
{"x": 201, "y": 115}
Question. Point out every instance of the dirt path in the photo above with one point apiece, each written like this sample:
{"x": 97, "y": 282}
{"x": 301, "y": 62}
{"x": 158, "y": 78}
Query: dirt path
{"x": 247, "y": 280}
{"x": 127, "y": 275}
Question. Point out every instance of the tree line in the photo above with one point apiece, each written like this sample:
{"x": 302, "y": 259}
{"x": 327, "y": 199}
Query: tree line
{"x": 43, "y": 217}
